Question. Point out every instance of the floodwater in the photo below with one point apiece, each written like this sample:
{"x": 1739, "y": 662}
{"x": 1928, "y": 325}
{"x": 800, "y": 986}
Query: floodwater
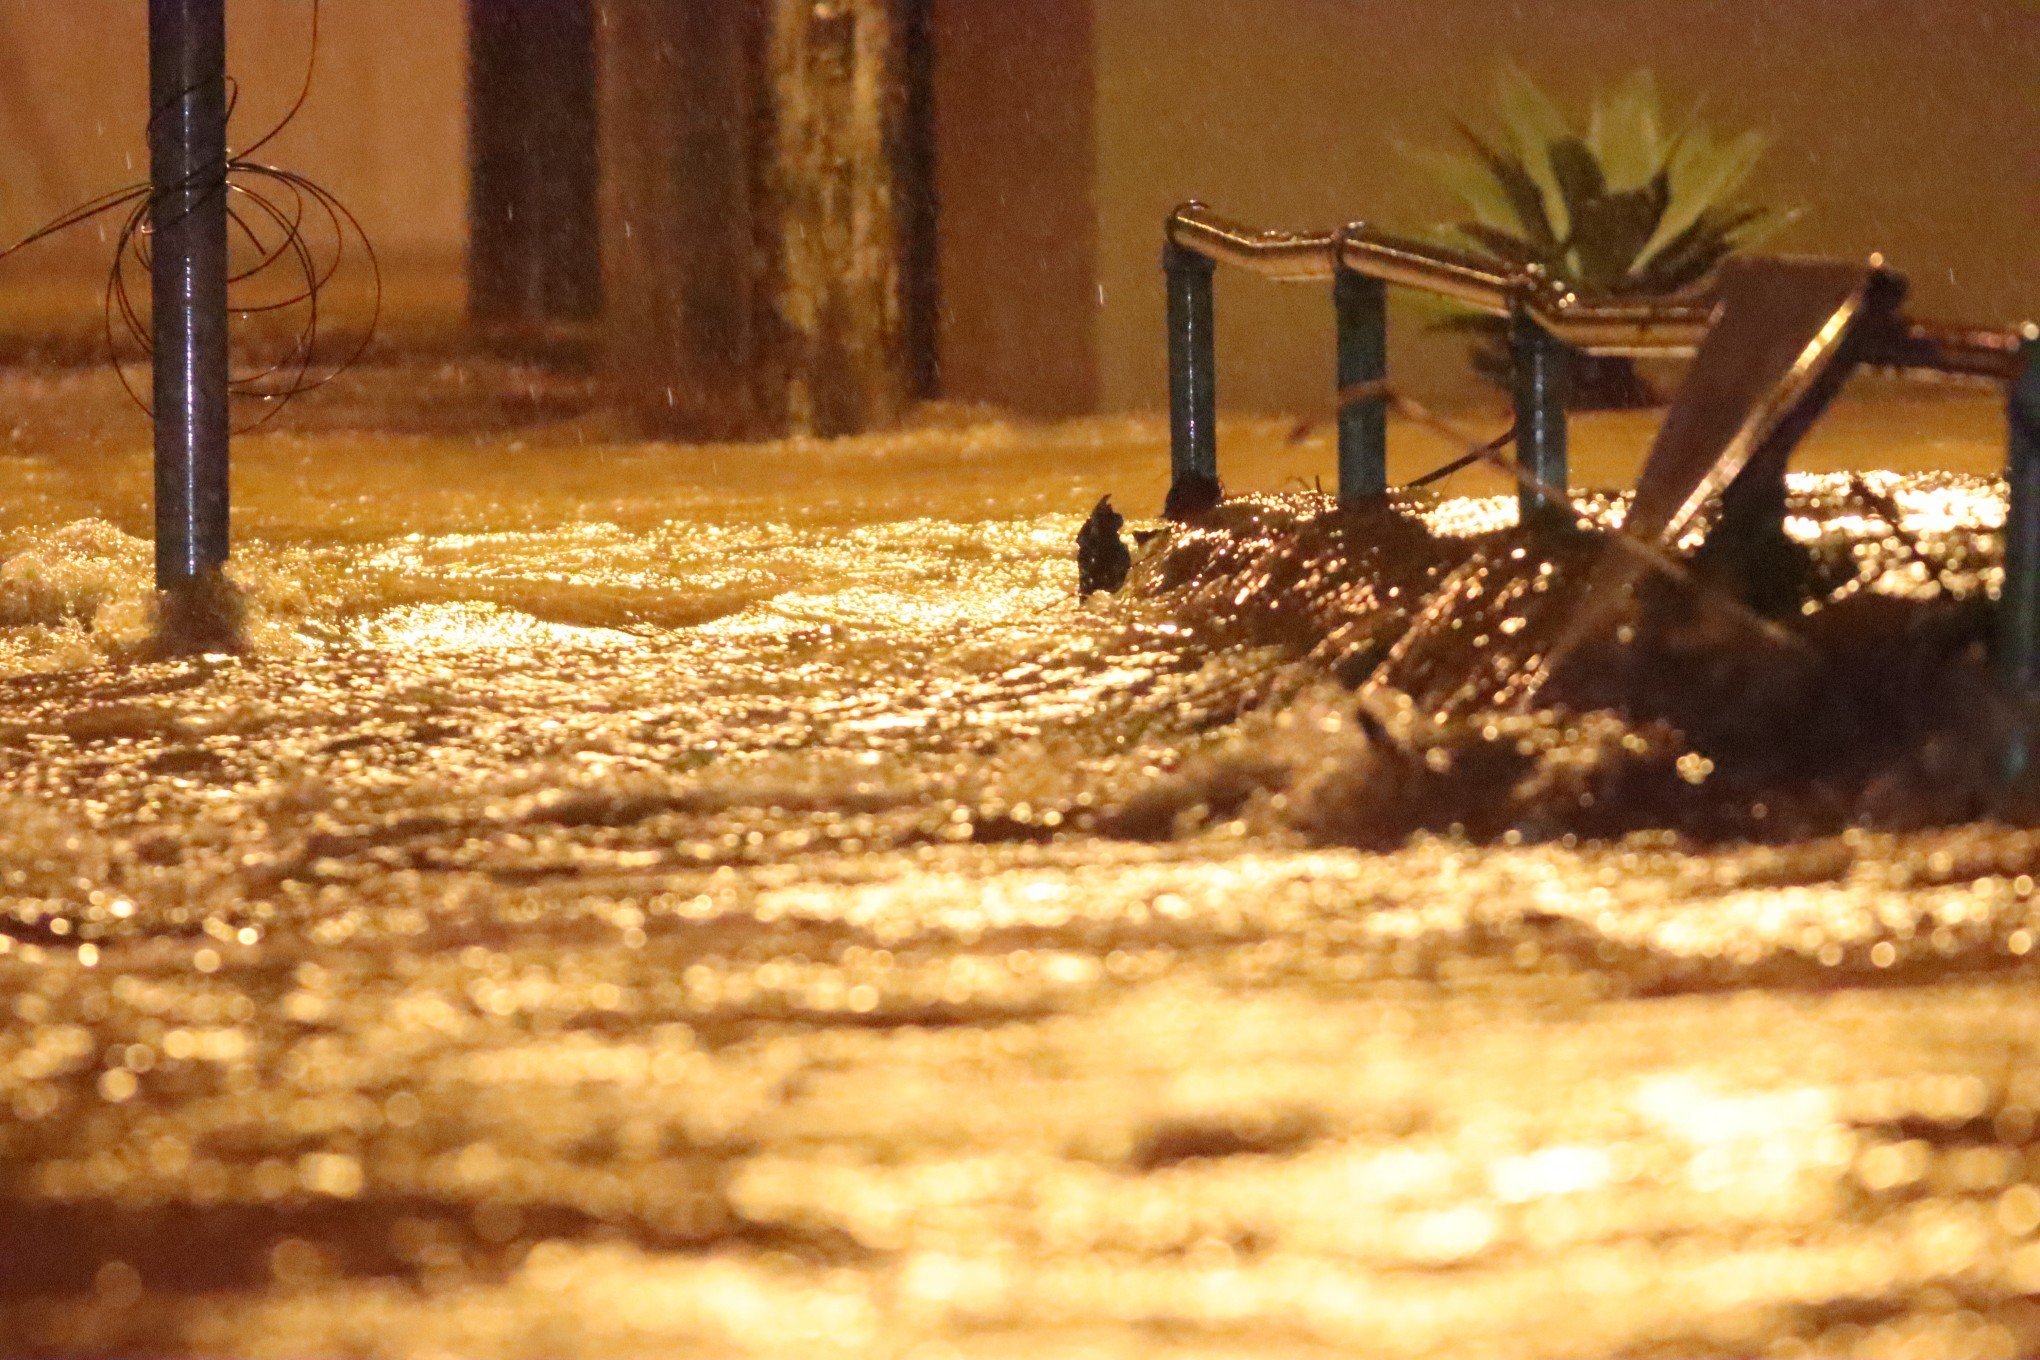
{"x": 628, "y": 900}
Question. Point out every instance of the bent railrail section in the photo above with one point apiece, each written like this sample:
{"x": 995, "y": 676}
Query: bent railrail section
{"x": 1549, "y": 320}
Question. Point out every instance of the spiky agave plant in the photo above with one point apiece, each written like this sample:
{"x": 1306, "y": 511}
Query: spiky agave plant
{"x": 1620, "y": 208}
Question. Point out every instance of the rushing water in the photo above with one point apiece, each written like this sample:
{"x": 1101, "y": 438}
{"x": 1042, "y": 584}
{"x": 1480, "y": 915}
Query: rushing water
{"x": 629, "y": 900}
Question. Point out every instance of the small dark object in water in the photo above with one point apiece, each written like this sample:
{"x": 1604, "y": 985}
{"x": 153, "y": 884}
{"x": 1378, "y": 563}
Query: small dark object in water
{"x": 1192, "y": 495}
{"x": 1175, "y": 1141}
{"x": 1102, "y": 560}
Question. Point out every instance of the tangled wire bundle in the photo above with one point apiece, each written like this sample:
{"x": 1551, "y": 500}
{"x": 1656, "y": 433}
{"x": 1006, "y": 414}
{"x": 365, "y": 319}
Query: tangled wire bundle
{"x": 290, "y": 239}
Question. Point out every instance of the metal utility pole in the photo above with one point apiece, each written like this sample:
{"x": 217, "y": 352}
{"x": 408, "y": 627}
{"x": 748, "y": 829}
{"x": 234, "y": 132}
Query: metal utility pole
{"x": 188, "y": 180}
{"x": 2018, "y": 635}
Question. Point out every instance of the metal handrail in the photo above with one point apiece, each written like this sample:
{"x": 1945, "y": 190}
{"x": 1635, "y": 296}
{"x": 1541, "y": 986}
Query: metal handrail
{"x": 1545, "y": 321}
{"x": 1670, "y": 327}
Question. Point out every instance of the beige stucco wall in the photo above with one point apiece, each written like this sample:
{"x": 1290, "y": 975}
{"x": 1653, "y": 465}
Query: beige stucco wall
{"x": 1017, "y": 219}
{"x": 1910, "y": 126}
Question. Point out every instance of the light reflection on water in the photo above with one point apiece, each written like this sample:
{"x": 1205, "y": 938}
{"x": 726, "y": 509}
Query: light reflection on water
{"x": 675, "y": 933}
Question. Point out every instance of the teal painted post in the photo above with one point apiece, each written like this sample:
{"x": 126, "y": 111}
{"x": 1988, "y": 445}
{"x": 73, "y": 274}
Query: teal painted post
{"x": 1193, "y": 362}
{"x": 1540, "y": 361}
{"x": 1362, "y": 307}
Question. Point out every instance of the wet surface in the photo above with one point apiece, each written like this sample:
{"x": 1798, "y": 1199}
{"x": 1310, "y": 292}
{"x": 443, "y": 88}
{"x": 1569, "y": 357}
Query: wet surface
{"x": 630, "y": 900}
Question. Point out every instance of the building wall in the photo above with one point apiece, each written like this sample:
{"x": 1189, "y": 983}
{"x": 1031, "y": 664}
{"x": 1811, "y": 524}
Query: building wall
{"x": 1069, "y": 127}
{"x": 1907, "y": 127}
{"x": 1016, "y": 216}
{"x": 383, "y": 127}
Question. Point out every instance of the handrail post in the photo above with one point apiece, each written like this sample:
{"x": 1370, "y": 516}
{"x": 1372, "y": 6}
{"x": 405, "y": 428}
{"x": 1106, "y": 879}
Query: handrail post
{"x": 1540, "y": 390}
{"x": 1362, "y": 306}
{"x": 188, "y": 211}
{"x": 1193, "y": 362}
{"x": 2018, "y": 616}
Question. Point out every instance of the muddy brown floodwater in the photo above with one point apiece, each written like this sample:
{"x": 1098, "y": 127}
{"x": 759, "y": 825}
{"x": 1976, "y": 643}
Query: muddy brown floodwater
{"x": 629, "y": 900}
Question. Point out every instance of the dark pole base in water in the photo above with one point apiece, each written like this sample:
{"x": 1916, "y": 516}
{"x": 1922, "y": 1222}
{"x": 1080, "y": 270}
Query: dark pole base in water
{"x": 1193, "y": 363}
{"x": 1540, "y": 417}
{"x": 188, "y": 178}
{"x": 1362, "y": 305}
{"x": 2018, "y": 620}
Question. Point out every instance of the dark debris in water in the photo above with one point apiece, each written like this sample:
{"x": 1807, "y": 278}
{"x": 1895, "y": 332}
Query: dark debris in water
{"x": 1102, "y": 559}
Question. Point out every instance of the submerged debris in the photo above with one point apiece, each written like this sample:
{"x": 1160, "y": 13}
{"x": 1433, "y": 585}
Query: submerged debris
{"x": 1867, "y": 701}
{"x": 1102, "y": 559}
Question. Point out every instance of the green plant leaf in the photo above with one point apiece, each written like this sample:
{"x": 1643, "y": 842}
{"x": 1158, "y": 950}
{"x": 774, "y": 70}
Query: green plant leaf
{"x": 1534, "y": 124}
{"x": 1526, "y": 200}
{"x": 1609, "y": 231}
{"x": 1703, "y": 173}
{"x": 1466, "y": 180}
{"x": 1761, "y": 225}
{"x": 1689, "y": 259}
{"x": 1619, "y": 209}
{"x": 1718, "y": 176}
{"x": 1660, "y": 190}
{"x": 1624, "y": 134}
{"x": 1739, "y": 226}
{"x": 1694, "y": 253}
{"x": 1529, "y": 112}
{"x": 1578, "y": 175}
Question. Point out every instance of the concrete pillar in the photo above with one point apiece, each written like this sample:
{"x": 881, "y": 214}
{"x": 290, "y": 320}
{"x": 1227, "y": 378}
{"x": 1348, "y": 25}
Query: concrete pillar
{"x": 764, "y": 189}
